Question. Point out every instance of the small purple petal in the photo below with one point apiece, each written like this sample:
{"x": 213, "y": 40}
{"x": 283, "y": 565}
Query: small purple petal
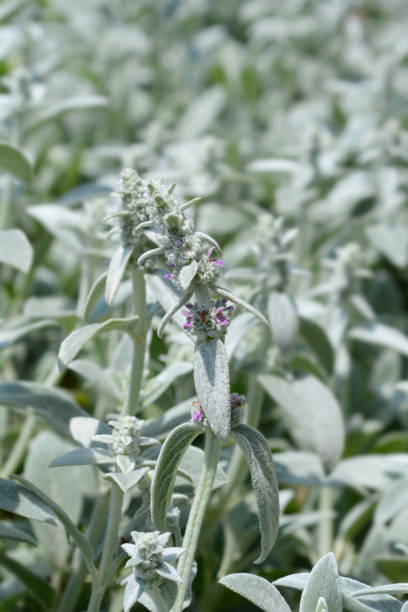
{"x": 188, "y": 325}
{"x": 209, "y": 253}
{"x": 168, "y": 276}
{"x": 219, "y": 262}
{"x": 190, "y": 306}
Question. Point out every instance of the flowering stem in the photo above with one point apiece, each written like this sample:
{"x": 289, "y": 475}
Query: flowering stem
{"x": 132, "y": 405}
{"x": 196, "y": 516}
{"x": 111, "y": 539}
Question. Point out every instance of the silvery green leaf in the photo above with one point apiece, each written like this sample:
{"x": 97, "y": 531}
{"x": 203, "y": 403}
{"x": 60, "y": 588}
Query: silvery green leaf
{"x": 18, "y": 499}
{"x": 191, "y": 466}
{"x": 211, "y": 379}
{"x": 381, "y": 335}
{"x": 164, "y": 476}
{"x": 61, "y": 222}
{"x": 116, "y": 270}
{"x": 366, "y": 603}
{"x": 257, "y": 590}
{"x": 171, "y": 418}
{"x": 77, "y": 339}
{"x": 283, "y": 319}
{"x": 393, "y": 501}
{"x": 38, "y": 587}
{"x": 78, "y": 537}
{"x": 237, "y": 329}
{"x": 317, "y": 340}
{"x": 374, "y": 471}
{"x": 12, "y": 533}
{"x": 299, "y": 468}
{"x": 96, "y": 292}
{"x": 127, "y": 480}
{"x": 14, "y": 162}
{"x": 15, "y": 249}
{"x": 362, "y": 306}
{"x": 156, "y": 386}
{"x": 166, "y": 294}
{"x": 13, "y": 334}
{"x": 187, "y": 274}
{"x": 59, "y": 109}
{"x": 83, "y": 429}
{"x": 202, "y": 112}
{"x": 240, "y": 302}
{"x": 264, "y": 483}
{"x": 313, "y": 415}
{"x": 83, "y": 456}
{"x": 391, "y": 239}
{"x": 274, "y": 166}
{"x": 400, "y": 588}
{"x": 294, "y": 581}
{"x": 104, "y": 380}
{"x": 52, "y": 307}
{"x": 323, "y": 582}
{"x": 55, "y": 406}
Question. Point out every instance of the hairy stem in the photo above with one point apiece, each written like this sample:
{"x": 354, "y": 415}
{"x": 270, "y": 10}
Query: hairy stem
{"x": 75, "y": 584}
{"x": 109, "y": 547}
{"x": 196, "y": 516}
{"x": 132, "y": 405}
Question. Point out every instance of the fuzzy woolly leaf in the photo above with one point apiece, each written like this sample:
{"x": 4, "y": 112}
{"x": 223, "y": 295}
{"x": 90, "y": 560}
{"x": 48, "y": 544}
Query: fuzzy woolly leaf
{"x": 323, "y": 582}
{"x": 55, "y": 406}
{"x": 116, "y": 270}
{"x": 18, "y": 499}
{"x": 83, "y": 456}
{"x": 211, "y": 379}
{"x": 42, "y": 592}
{"x": 15, "y": 250}
{"x": 79, "y": 337}
{"x": 171, "y": 453}
{"x": 13, "y": 161}
{"x": 316, "y": 339}
{"x": 187, "y": 274}
{"x": 283, "y": 319}
{"x": 59, "y": 109}
{"x": 381, "y": 335}
{"x": 263, "y": 478}
{"x": 257, "y": 590}
{"x": 11, "y": 335}
{"x": 12, "y": 533}
{"x": 313, "y": 415}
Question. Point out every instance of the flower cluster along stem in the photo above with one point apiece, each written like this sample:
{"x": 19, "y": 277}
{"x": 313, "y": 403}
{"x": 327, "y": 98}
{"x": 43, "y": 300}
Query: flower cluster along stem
{"x": 196, "y": 516}
{"x": 139, "y": 343}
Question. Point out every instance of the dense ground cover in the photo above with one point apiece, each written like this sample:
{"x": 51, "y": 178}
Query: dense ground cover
{"x": 203, "y": 265}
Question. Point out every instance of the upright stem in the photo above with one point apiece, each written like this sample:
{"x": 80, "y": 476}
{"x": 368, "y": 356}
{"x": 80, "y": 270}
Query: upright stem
{"x": 132, "y": 405}
{"x": 196, "y": 516}
{"x": 109, "y": 547}
{"x": 325, "y": 537}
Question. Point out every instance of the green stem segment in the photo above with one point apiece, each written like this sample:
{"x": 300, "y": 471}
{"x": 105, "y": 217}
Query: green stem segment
{"x": 132, "y": 405}
{"x": 109, "y": 547}
{"x": 195, "y": 519}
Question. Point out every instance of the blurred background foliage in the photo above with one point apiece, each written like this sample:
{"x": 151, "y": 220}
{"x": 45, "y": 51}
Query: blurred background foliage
{"x": 296, "y": 109}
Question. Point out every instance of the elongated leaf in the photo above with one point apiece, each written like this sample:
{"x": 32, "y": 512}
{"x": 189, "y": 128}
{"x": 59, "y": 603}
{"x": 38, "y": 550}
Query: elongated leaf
{"x": 15, "y": 250}
{"x": 14, "y": 162}
{"x": 191, "y": 466}
{"x": 116, "y": 270}
{"x": 127, "y": 480}
{"x": 12, "y": 533}
{"x": 55, "y": 406}
{"x": 187, "y": 275}
{"x": 58, "y": 109}
{"x": 165, "y": 293}
{"x": 240, "y": 302}
{"x": 79, "y": 337}
{"x": 96, "y": 292}
{"x": 20, "y": 500}
{"x": 283, "y": 319}
{"x": 37, "y": 586}
{"x": 71, "y": 528}
{"x": 170, "y": 456}
{"x": 156, "y": 386}
{"x": 83, "y": 456}
{"x": 323, "y": 582}
{"x": 400, "y": 588}
{"x": 257, "y": 590}
{"x": 263, "y": 478}
{"x": 312, "y": 413}
{"x": 211, "y": 378}
{"x": 381, "y": 335}
{"x": 9, "y": 336}
{"x": 318, "y": 342}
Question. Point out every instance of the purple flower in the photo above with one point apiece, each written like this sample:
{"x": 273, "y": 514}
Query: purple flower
{"x": 189, "y": 319}
{"x": 197, "y": 413}
{"x": 168, "y": 276}
{"x": 237, "y": 400}
{"x": 221, "y": 318}
{"x": 218, "y": 262}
